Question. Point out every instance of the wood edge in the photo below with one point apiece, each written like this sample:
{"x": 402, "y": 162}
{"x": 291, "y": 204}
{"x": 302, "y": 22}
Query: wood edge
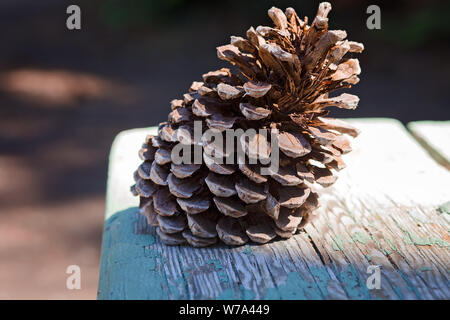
{"x": 412, "y": 128}
{"x": 112, "y": 151}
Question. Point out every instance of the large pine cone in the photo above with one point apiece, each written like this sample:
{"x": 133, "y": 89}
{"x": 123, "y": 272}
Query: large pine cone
{"x": 283, "y": 78}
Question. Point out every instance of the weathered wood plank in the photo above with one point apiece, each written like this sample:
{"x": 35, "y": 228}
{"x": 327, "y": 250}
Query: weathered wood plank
{"x": 378, "y": 190}
{"x": 435, "y": 138}
{"x": 382, "y": 211}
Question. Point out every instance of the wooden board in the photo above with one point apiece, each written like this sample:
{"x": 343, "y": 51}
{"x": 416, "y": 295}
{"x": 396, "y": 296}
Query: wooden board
{"x": 382, "y": 211}
{"x": 434, "y": 137}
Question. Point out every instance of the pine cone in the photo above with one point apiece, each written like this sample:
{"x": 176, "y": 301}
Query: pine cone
{"x": 283, "y": 78}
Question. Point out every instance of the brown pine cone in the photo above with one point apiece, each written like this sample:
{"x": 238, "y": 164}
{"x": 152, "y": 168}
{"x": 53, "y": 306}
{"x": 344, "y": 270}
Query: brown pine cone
{"x": 283, "y": 79}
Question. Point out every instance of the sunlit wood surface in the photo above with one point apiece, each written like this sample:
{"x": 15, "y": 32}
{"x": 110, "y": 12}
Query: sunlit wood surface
{"x": 389, "y": 208}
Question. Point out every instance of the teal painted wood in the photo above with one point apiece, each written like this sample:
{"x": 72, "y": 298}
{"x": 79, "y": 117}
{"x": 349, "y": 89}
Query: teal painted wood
{"x": 135, "y": 265}
{"x": 376, "y": 214}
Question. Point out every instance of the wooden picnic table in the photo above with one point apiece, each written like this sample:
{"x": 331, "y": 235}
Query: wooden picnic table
{"x": 390, "y": 208}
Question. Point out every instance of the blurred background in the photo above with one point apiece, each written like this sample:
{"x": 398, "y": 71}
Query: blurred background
{"x": 65, "y": 94}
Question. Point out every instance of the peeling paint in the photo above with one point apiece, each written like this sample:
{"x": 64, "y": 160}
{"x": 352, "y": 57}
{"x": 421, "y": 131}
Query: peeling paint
{"x": 410, "y": 238}
{"x": 295, "y": 288}
{"x": 223, "y": 277}
{"x": 361, "y": 237}
{"x": 425, "y": 269}
{"x": 445, "y": 207}
{"x": 409, "y": 284}
{"x": 134, "y": 264}
{"x": 338, "y": 243}
{"x": 131, "y": 257}
{"x": 236, "y": 294}
{"x": 354, "y": 286}
{"x": 248, "y": 250}
{"x": 392, "y": 245}
{"x": 132, "y": 268}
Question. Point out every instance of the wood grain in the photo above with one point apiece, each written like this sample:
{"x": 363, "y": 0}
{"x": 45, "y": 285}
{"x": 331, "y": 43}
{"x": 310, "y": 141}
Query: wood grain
{"x": 385, "y": 210}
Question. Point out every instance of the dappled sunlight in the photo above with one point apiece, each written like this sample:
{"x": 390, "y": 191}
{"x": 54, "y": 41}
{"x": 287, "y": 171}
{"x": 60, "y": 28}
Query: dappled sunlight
{"x": 39, "y": 242}
{"x": 17, "y": 179}
{"x": 55, "y": 88}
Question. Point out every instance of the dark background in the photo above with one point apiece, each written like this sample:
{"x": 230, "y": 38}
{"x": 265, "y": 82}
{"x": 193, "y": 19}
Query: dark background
{"x": 65, "y": 94}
